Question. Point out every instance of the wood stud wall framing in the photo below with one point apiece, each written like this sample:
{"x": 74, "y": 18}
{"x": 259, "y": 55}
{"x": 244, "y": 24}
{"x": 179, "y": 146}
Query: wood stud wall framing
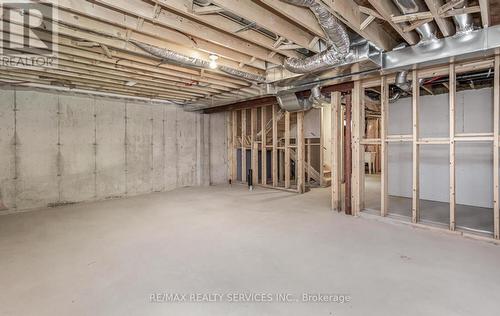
{"x": 268, "y": 138}
{"x": 337, "y": 125}
{"x": 452, "y": 69}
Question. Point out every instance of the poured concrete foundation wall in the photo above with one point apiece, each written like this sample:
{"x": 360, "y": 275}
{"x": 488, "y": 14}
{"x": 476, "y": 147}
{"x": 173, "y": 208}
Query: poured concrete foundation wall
{"x": 57, "y": 149}
{"x": 218, "y": 148}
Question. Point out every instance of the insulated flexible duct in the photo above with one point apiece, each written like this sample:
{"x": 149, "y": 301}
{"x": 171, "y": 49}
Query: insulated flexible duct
{"x": 181, "y": 59}
{"x": 337, "y": 40}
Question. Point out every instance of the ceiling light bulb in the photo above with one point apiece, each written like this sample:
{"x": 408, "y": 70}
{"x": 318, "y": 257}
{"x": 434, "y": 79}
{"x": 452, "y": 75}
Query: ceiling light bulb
{"x": 213, "y": 61}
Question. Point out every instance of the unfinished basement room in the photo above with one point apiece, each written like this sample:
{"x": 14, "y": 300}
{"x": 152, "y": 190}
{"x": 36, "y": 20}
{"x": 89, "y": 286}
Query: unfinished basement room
{"x": 250, "y": 157}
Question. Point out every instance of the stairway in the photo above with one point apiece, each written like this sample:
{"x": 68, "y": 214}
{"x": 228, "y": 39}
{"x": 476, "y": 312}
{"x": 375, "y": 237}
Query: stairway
{"x": 313, "y": 173}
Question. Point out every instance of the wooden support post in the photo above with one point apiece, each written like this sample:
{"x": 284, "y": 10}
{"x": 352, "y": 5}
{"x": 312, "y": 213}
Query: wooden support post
{"x": 336, "y": 125}
{"x": 275, "y": 146}
{"x": 384, "y": 182}
{"x": 496, "y": 135}
{"x": 230, "y": 145}
{"x": 263, "y": 133}
{"x": 254, "y": 146}
{"x": 243, "y": 147}
{"x": 358, "y": 164}
{"x": 321, "y": 148}
{"x": 281, "y": 171}
{"x": 287, "y": 150}
{"x": 348, "y": 156}
{"x": 300, "y": 175}
{"x": 234, "y": 150}
{"x": 309, "y": 161}
{"x": 415, "y": 217}
{"x": 453, "y": 91}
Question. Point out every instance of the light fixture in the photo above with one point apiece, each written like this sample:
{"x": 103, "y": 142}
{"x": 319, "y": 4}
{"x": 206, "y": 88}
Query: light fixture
{"x": 213, "y": 61}
{"x": 130, "y": 83}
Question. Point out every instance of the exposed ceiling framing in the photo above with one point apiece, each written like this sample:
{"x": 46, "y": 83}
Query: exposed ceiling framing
{"x": 96, "y": 53}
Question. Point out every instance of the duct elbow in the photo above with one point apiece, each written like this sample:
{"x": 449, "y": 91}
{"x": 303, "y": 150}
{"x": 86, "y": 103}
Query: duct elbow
{"x": 336, "y": 35}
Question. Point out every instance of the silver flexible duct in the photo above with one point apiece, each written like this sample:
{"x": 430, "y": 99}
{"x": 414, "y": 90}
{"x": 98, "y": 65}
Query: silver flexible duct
{"x": 337, "y": 40}
{"x": 426, "y": 31}
{"x": 319, "y": 61}
{"x": 464, "y": 23}
{"x": 203, "y": 3}
{"x": 181, "y": 59}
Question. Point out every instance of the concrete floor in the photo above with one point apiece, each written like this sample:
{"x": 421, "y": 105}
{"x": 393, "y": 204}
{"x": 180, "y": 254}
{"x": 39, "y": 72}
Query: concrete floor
{"x": 471, "y": 218}
{"x": 107, "y": 258}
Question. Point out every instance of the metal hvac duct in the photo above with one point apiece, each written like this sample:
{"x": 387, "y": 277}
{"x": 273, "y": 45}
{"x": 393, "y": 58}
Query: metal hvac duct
{"x": 203, "y": 3}
{"x": 289, "y": 101}
{"x": 426, "y": 31}
{"x": 181, "y": 59}
{"x": 464, "y": 23}
{"x": 337, "y": 40}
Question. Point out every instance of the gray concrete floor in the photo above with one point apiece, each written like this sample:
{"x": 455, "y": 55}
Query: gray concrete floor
{"x": 478, "y": 219}
{"x": 107, "y": 258}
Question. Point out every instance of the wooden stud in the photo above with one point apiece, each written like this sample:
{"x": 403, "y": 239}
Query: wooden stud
{"x": 287, "y": 150}
{"x": 243, "y": 147}
{"x": 452, "y": 92}
{"x": 308, "y": 161}
{"x": 384, "y": 182}
{"x": 275, "y": 146}
{"x": 254, "y": 146}
{"x": 496, "y": 131}
{"x": 358, "y": 165}
{"x": 416, "y": 169}
{"x": 230, "y": 146}
{"x": 336, "y": 126}
{"x": 300, "y": 175}
{"x": 234, "y": 150}
{"x": 263, "y": 133}
{"x": 321, "y": 149}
